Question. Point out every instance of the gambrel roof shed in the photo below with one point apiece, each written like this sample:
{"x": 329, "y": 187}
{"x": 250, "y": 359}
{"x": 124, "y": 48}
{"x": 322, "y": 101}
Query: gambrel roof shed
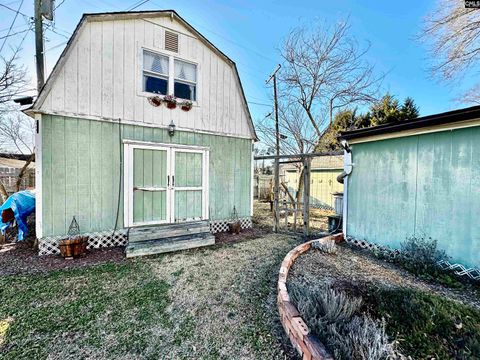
{"x": 96, "y": 76}
{"x": 116, "y": 152}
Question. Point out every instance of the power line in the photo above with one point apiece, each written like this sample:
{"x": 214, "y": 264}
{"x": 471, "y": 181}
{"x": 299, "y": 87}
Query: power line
{"x": 227, "y": 39}
{"x": 25, "y": 36}
{"x": 260, "y": 104}
{"x": 60, "y": 4}
{"x": 137, "y": 4}
{"x": 17, "y": 33}
{"x": 11, "y": 26}
{"x": 15, "y": 11}
{"x": 56, "y": 46}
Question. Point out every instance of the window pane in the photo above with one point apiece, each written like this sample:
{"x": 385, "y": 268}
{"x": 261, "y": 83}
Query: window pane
{"x": 155, "y": 62}
{"x": 185, "y": 71}
{"x": 155, "y": 85}
{"x": 185, "y": 91}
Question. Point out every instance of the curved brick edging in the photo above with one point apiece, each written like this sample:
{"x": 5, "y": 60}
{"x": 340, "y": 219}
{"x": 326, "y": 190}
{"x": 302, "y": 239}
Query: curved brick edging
{"x": 307, "y": 344}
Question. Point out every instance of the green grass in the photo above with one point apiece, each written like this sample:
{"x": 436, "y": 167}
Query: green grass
{"x": 429, "y": 325}
{"x": 80, "y": 308}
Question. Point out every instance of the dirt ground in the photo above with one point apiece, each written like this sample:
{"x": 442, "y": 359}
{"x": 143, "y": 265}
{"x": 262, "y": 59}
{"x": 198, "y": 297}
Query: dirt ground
{"x": 318, "y": 218}
{"x": 351, "y": 265}
{"x": 22, "y": 258}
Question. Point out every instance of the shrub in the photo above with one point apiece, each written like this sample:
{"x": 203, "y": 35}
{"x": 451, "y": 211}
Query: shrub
{"x": 361, "y": 338}
{"x": 421, "y": 257}
{"x": 421, "y": 254}
{"x": 333, "y": 316}
{"x": 328, "y": 247}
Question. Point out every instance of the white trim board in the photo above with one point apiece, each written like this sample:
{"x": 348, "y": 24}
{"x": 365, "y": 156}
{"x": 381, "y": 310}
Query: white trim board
{"x": 419, "y": 131}
{"x": 38, "y": 178}
{"x": 133, "y": 123}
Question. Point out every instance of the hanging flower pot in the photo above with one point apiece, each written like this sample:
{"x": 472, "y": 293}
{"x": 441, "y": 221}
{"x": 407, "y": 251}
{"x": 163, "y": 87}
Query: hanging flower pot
{"x": 171, "y": 101}
{"x": 186, "y": 105}
{"x": 155, "y": 101}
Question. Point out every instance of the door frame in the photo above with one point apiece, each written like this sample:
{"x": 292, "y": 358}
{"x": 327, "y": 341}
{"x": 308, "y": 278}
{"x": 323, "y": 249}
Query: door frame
{"x": 128, "y": 169}
{"x": 205, "y": 183}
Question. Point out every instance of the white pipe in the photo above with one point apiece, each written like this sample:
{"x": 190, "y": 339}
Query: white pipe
{"x": 347, "y": 168}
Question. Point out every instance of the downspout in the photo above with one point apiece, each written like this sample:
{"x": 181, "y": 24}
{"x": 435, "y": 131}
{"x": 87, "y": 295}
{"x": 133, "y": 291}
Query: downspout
{"x": 343, "y": 179}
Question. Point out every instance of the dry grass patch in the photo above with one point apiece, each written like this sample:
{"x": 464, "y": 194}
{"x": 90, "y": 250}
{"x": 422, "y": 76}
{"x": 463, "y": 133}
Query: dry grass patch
{"x": 211, "y": 303}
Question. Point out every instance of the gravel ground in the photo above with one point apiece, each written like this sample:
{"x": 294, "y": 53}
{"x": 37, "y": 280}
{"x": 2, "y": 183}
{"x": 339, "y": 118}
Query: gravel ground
{"x": 350, "y": 265}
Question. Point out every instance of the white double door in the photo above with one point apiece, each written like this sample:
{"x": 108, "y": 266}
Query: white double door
{"x": 165, "y": 183}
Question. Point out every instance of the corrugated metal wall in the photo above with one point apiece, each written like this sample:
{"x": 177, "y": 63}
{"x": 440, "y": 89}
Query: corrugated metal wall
{"x": 425, "y": 185}
{"x": 81, "y": 171}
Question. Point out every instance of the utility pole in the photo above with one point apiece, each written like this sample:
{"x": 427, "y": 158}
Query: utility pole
{"x": 39, "y": 53}
{"x": 276, "y": 185}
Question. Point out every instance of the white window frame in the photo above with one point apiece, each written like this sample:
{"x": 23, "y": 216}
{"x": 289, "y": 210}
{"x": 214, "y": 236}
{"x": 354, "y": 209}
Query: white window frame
{"x": 154, "y": 74}
{"x": 185, "y": 81}
{"x": 171, "y": 72}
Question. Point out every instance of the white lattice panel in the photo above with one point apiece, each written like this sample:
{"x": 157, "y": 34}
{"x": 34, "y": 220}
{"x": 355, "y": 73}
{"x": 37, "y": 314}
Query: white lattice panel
{"x": 458, "y": 269}
{"x": 222, "y": 225}
{"x": 96, "y": 240}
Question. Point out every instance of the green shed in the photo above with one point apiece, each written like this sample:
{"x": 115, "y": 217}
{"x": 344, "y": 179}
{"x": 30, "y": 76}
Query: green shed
{"x": 417, "y": 178}
{"x": 144, "y": 135}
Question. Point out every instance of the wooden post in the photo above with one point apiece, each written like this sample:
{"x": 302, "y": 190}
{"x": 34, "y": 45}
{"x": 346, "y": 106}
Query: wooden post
{"x": 306, "y": 196}
{"x": 276, "y": 189}
{"x": 39, "y": 53}
{"x": 295, "y": 207}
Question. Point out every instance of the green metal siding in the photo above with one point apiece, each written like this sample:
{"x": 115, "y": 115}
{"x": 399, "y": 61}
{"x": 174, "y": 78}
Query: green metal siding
{"x": 426, "y": 185}
{"x": 81, "y": 171}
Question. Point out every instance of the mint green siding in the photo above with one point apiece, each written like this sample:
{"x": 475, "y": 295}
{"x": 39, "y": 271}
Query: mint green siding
{"x": 188, "y": 173}
{"x": 150, "y": 170}
{"x": 81, "y": 173}
{"x": 425, "y": 185}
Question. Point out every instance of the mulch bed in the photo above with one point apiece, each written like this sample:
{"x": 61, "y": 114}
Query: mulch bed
{"x": 21, "y": 258}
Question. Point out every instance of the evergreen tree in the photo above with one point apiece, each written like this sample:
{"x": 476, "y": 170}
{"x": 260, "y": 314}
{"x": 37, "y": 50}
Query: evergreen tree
{"x": 409, "y": 110}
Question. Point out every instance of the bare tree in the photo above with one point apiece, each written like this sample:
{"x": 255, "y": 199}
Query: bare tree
{"x": 452, "y": 34}
{"x": 16, "y": 130}
{"x": 325, "y": 71}
{"x": 296, "y": 133}
{"x": 12, "y": 80}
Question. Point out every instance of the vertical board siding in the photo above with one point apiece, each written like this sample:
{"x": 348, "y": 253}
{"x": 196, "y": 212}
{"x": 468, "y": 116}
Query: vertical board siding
{"x": 102, "y": 77}
{"x": 81, "y": 173}
{"x": 423, "y": 186}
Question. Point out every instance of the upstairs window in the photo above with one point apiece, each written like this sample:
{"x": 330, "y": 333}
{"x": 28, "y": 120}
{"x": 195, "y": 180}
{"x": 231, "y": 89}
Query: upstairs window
{"x": 185, "y": 80}
{"x": 155, "y": 73}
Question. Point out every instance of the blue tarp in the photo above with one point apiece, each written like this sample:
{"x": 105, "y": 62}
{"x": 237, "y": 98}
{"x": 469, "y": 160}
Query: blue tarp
{"x": 22, "y": 204}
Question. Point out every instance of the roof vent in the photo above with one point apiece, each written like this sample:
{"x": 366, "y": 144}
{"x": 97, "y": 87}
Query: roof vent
{"x": 171, "y": 41}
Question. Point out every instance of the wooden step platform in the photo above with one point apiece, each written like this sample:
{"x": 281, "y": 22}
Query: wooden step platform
{"x": 150, "y": 240}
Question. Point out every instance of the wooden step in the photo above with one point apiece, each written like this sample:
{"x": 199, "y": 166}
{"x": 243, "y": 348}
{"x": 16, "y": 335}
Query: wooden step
{"x": 156, "y": 232}
{"x": 176, "y": 243}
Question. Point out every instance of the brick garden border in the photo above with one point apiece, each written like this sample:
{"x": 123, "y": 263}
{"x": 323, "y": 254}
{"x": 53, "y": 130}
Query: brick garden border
{"x": 306, "y": 343}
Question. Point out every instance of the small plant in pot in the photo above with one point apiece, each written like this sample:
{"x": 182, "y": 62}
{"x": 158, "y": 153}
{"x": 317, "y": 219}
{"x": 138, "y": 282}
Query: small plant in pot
{"x": 155, "y": 100}
{"x": 186, "y": 105}
{"x": 171, "y": 101}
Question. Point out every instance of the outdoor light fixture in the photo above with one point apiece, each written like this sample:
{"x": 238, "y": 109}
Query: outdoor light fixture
{"x": 171, "y": 129}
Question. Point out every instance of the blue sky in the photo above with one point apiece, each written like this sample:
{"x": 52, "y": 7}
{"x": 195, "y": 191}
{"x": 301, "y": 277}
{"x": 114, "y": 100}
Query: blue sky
{"x": 250, "y": 32}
